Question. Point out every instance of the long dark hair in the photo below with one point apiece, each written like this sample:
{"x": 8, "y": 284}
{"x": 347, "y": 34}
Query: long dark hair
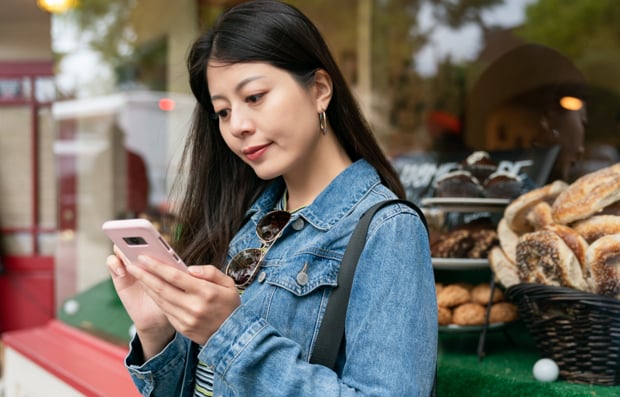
{"x": 220, "y": 187}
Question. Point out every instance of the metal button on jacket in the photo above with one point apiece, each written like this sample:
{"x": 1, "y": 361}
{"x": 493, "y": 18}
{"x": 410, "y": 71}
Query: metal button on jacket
{"x": 261, "y": 277}
{"x": 298, "y": 224}
{"x": 302, "y": 276}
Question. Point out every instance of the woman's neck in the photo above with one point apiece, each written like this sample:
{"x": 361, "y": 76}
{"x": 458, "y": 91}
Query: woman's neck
{"x": 306, "y": 184}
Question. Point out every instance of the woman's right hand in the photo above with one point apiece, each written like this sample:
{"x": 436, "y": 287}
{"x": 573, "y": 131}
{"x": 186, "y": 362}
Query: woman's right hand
{"x": 152, "y": 325}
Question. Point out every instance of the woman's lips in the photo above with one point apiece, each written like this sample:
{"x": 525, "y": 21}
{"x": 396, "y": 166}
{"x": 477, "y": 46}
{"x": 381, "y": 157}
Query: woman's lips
{"x": 253, "y": 153}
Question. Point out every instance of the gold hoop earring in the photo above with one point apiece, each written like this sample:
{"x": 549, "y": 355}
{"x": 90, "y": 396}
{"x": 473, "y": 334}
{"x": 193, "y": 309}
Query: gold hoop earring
{"x": 323, "y": 122}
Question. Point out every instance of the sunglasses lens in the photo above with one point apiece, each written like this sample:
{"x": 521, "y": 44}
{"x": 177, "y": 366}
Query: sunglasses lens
{"x": 271, "y": 224}
{"x": 243, "y": 266}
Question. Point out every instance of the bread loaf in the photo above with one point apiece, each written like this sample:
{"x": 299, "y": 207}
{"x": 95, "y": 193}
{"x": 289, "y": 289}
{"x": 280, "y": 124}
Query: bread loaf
{"x": 595, "y": 227}
{"x": 588, "y": 195}
{"x": 515, "y": 213}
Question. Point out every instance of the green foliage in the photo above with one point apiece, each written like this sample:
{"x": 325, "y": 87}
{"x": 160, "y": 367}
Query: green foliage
{"x": 106, "y": 27}
{"x": 574, "y": 27}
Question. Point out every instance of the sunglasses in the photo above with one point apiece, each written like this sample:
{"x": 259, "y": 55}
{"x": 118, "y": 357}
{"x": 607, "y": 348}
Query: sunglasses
{"x": 244, "y": 266}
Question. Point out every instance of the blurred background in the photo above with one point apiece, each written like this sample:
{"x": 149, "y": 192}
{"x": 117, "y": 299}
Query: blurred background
{"x": 95, "y": 104}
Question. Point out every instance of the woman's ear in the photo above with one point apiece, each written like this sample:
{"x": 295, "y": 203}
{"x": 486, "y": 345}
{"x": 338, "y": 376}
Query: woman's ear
{"x": 323, "y": 89}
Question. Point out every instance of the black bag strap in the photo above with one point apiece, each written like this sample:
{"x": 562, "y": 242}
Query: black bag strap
{"x": 331, "y": 331}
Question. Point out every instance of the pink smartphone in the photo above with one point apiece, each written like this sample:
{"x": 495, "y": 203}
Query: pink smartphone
{"x": 138, "y": 236}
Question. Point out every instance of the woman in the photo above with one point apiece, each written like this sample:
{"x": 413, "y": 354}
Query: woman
{"x": 276, "y": 128}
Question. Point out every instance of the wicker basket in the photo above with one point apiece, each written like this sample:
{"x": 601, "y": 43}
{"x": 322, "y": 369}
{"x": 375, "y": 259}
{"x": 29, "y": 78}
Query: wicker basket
{"x": 580, "y": 331}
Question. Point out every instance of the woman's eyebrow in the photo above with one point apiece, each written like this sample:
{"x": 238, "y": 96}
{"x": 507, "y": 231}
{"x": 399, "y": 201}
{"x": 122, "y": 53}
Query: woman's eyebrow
{"x": 239, "y": 86}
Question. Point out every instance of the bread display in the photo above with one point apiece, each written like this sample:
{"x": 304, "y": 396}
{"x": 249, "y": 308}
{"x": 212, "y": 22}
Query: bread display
{"x": 466, "y": 305}
{"x": 565, "y": 235}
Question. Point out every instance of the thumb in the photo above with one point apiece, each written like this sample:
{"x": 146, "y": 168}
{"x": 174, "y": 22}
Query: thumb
{"x": 212, "y": 274}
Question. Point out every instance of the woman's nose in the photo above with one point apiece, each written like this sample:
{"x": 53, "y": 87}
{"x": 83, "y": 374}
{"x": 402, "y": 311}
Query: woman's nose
{"x": 240, "y": 123}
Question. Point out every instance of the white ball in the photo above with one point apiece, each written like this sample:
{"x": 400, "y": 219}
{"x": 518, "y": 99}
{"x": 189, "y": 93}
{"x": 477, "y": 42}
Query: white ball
{"x": 71, "y": 306}
{"x": 546, "y": 370}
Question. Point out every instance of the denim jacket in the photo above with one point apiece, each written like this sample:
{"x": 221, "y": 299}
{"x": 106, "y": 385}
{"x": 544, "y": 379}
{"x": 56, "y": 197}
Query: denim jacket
{"x": 263, "y": 348}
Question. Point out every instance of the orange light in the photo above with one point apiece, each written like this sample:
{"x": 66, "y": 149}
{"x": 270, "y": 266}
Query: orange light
{"x": 571, "y": 103}
{"x": 166, "y": 104}
{"x": 57, "y": 6}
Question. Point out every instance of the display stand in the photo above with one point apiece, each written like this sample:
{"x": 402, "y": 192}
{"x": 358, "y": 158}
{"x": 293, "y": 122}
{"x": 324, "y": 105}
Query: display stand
{"x": 465, "y": 205}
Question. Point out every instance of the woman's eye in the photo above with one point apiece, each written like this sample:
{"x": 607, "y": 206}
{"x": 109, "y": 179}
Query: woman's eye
{"x": 222, "y": 114}
{"x": 254, "y": 98}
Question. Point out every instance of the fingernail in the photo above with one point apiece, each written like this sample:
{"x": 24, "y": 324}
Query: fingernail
{"x": 120, "y": 271}
{"x": 195, "y": 269}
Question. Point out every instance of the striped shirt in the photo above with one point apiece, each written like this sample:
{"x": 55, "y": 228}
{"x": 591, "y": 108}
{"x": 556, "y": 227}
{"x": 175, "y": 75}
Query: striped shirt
{"x": 204, "y": 381}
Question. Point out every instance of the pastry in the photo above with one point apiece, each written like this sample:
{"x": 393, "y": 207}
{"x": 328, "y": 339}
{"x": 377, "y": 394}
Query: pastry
{"x": 502, "y": 184}
{"x": 503, "y": 312}
{"x": 603, "y": 259}
{"x": 454, "y": 244}
{"x": 540, "y": 215}
{"x": 457, "y": 184}
{"x": 483, "y": 241}
{"x": 481, "y": 293}
{"x": 544, "y": 258}
{"x": 469, "y": 314}
{"x": 504, "y": 269}
{"x": 444, "y": 315}
{"x": 597, "y": 226}
{"x": 515, "y": 213}
{"x": 573, "y": 240}
{"x": 479, "y": 164}
{"x": 508, "y": 240}
{"x": 588, "y": 195}
{"x": 453, "y": 295}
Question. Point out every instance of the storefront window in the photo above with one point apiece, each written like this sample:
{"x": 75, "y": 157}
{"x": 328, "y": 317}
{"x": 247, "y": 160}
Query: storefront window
{"x": 435, "y": 78}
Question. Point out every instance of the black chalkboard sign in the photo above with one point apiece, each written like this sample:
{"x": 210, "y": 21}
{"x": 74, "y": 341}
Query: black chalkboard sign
{"x": 418, "y": 171}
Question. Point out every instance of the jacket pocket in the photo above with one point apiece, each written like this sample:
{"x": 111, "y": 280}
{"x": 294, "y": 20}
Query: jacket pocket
{"x": 304, "y": 273}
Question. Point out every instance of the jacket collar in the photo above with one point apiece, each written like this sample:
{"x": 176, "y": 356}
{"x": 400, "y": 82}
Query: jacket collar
{"x": 338, "y": 199}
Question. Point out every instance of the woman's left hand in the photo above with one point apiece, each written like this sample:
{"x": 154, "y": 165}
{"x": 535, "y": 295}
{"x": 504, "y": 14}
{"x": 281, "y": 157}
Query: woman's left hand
{"x": 196, "y": 302}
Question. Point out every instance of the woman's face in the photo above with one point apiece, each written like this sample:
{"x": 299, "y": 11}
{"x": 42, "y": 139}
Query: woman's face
{"x": 265, "y": 116}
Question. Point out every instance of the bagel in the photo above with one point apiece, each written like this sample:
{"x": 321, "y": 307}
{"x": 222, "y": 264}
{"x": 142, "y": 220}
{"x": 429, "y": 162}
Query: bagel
{"x": 505, "y": 271}
{"x": 603, "y": 259}
{"x": 515, "y": 213}
{"x": 508, "y": 240}
{"x": 588, "y": 195}
{"x": 595, "y": 227}
{"x": 573, "y": 240}
{"x": 543, "y": 257}
{"x": 540, "y": 215}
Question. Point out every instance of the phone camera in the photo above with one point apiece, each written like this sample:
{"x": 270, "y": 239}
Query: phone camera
{"x": 134, "y": 240}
